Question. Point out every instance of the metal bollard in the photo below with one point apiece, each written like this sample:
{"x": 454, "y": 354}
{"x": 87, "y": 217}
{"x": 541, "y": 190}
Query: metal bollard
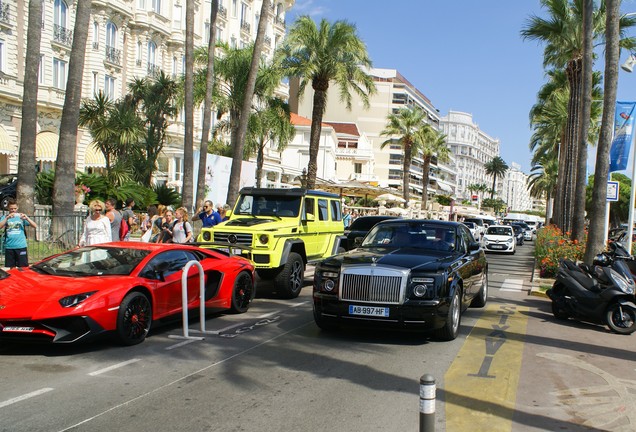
{"x": 427, "y": 403}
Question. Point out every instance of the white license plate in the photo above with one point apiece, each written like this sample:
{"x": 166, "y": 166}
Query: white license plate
{"x": 497, "y": 246}
{"x": 233, "y": 251}
{"x": 368, "y": 311}
{"x": 18, "y": 329}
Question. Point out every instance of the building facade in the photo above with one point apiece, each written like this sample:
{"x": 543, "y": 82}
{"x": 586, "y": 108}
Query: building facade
{"x": 515, "y": 190}
{"x": 127, "y": 39}
{"x": 472, "y": 147}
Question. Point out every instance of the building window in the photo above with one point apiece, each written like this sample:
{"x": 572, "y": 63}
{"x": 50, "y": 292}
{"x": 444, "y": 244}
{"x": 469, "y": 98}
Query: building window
{"x": 95, "y": 35}
{"x": 41, "y": 70}
{"x": 59, "y": 74}
{"x": 219, "y": 34}
{"x": 141, "y": 4}
{"x": 152, "y": 49}
{"x": 111, "y": 35}
{"x": 206, "y": 33}
{"x": 109, "y": 87}
{"x": 234, "y": 8}
{"x": 2, "y": 61}
{"x": 178, "y": 169}
{"x": 156, "y": 6}
{"x": 139, "y": 53}
{"x": 233, "y": 42}
{"x": 174, "y": 66}
{"x": 357, "y": 168}
{"x": 59, "y": 13}
{"x": 177, "y": 17}
{"x": 94, "y": 84}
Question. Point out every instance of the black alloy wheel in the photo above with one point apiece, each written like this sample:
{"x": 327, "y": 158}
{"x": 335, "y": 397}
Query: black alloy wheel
{"x": 242, "y": 293}
{"x": 134, "y": 318}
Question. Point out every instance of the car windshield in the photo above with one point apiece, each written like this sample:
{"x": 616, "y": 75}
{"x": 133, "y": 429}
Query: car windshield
{"x": 93, "y": 261}
{"x": 418, "y": 235}
{"x": 470, "y": 225}
{"x": 499, "y": 230}
{"x": 268, "y": 205}
{"x": 365, "y": 223}
{"x": 517, "y": 229}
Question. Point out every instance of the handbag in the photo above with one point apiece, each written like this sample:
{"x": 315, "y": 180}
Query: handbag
{"x": 146, "y": 237}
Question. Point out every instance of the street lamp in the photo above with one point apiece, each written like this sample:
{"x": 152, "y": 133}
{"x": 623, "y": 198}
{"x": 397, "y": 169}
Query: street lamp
{"x": 628, "y": 66}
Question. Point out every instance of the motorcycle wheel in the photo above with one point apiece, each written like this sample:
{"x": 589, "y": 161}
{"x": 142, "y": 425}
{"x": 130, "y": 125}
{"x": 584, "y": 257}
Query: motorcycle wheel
{"x": 621, "y": 320}
{"x": 557, "y": 294}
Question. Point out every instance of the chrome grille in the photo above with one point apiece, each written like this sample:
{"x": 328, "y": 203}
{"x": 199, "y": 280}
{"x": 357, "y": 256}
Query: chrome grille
{"x": 241, "y": 238}
{"x": 372, "y": 284}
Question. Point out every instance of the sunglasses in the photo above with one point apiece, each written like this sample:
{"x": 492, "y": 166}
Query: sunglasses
{"x": 97, "y": 209}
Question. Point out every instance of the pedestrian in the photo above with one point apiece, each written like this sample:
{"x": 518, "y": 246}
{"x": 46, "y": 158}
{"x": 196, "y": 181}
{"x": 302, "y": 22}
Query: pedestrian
{"x": 96, "y": 226}
{"x": 223, "y": 210}
{"x": 114, "y": 216}
{"x": 128, "y": 215}
{"x": 157, "y": 224}
{"x": 346, "y": 218}
{"x": 207, "y": 215}
{"x": 354, "y": 216}
{"x": 15, "y": 243}
{"x": 166, "y": 228}
{"x": 181, "y": 229}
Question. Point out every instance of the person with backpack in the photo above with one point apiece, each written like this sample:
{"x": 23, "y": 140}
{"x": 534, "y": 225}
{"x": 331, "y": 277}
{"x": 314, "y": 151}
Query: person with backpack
{"x": 115, "y": 218}
{"x": 181, "y": 230}
{"x": 15, "y": 243}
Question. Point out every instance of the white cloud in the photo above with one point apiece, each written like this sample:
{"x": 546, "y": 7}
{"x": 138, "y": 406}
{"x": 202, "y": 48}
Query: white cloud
{"x": 308, "y": 7}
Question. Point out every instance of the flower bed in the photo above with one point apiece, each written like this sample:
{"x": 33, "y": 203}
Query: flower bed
{"x": 552, "y": 246}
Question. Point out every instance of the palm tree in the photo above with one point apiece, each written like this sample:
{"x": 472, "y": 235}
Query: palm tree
{"x": 155, "y": 100}
{"x": 404, "y": 128}
{"x": 542, "y": 181}
{"x": 433, "y": 145}
{"x": 562, "y": 35}
{"x": 320, "y": 55}
{"x": 269, "y": 124}
{"x": 188, "y": 138}
{"x": 596, "y": 233}
{"x": 246, "y": 107}
{"x": 28, "y": 129}
{"x": 207, "y": 105}
{"x": 64, "y": 184}
{"x": 497, "y": 168}
{"x": 116, "y": 130}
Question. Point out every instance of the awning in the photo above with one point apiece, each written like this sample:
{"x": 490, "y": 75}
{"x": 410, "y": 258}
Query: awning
{"x": 7, "y": 147}
{"x": 46, "y": 146}
{"x": 94, "y": 158}
{"x": 445, "y": 187}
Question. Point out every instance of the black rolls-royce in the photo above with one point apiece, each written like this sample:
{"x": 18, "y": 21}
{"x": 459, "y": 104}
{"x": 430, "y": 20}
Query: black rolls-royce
{"x": 407, "y": 274}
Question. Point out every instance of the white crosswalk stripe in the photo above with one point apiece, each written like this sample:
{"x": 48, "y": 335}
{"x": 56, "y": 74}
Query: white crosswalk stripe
{"x": 513, "y": 285}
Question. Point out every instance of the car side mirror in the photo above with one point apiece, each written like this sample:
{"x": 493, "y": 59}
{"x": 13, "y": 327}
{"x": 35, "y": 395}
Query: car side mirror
{"x": 357, "y": 242}
{"x": 473, "y": 246}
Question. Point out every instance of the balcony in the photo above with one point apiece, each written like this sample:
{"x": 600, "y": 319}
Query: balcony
{"x": 245, "y": 27}
{"x": 222, "y": 12}
{"x": 268, "y": 41}
{"x": 96, "y": 46}
{"x": 138, "y": 62}
{"x": 62, "y": 35}
{"x": 153, "y": 69}
{"x": 113, "y": 55}
{"x": 279, "y": 21}
{"x": 5, "y": 17}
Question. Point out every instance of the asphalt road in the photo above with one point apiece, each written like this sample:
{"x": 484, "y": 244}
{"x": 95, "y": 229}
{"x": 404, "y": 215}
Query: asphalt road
{"x": 513, "y": 368}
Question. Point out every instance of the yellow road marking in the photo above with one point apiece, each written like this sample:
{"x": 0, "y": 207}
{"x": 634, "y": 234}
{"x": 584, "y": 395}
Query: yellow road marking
{"x": 480, "y": 387}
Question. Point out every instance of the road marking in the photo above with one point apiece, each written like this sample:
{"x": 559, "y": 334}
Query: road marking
{"x": 24, "y": 397}
{"x": 185, "y": 377}
{"x": 115, "y": 366}
{"x": 481, "y": 384}
{"x": 180, "y": 344}
{"x": 512, "y": 285}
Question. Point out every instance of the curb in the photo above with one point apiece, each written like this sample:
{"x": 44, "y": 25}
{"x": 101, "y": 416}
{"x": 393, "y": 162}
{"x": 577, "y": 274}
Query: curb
{"x": 536, "y": 283}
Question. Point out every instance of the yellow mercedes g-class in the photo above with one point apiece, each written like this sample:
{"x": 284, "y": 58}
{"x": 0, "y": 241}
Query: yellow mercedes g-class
{"x": 281, "y": 230}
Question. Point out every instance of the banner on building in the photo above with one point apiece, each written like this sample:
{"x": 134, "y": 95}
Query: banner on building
{"x": 623, "y": 135}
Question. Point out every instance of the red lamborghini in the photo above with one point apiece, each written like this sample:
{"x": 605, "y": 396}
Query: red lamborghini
{"x": 116, "y": 287}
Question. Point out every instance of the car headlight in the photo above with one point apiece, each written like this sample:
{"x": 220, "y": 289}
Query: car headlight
{"x": 263, "y": 238}
{"x": 327, "y": 281}
{"x": 509, "y": 240}
{"x": 207, "y": 235}
{"x": 423, "y": 287}
{"x": 76, "y": 299}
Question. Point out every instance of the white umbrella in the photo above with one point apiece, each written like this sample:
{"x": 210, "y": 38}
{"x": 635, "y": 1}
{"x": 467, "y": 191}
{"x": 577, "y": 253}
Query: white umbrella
{"x": 390, "y": 197}
{"x": 397, "y": 211}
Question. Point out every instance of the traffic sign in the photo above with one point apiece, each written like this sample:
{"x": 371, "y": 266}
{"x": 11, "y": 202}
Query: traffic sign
{"x": 612, "y": 191}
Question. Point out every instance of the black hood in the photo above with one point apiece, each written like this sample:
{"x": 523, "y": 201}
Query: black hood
{"x": 411, "y": 258}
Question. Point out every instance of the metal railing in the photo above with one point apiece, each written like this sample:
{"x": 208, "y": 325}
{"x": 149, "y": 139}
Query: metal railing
{"x": 62, "y": 35}
{"x": 5, "y": 17}
{"x": 113, "y": 55}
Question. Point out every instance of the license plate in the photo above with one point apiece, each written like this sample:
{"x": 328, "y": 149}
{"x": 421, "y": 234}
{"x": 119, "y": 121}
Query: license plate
{"x": 497, "y": 246}
{"x": 233, "y": 251}
{"x": 18, "y": 329}
{"x": 368, "y": 311}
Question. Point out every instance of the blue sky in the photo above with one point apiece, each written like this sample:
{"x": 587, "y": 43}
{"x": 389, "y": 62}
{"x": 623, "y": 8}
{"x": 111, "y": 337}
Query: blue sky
{"x": 464, "y": 55}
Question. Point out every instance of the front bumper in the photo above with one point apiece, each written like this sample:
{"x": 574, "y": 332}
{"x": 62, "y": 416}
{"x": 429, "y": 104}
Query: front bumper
{"x": 413, "y": 315}
{"x": 56, "y": 330}
{"x": 500, "y": 247}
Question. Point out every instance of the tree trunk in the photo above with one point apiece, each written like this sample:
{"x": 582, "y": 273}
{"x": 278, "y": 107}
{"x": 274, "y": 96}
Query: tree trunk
{"x": 578, "y": 219}
{"x": 494, "y": 185}
{"x": 596, "y": 234}
{"x": 28, "y": 128}
{"x": 260, "y": 159}
{"x": 320, "y": 98}
{"x": 207, "y": 106}
{"x": 426, "y": 173}
{"x": 188, "y": 138}
{"x": 570, "y": 148}
{"x": 64, "y": 184}
{"x": 237, "y": 157}
{"x": 406, "y": 172}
